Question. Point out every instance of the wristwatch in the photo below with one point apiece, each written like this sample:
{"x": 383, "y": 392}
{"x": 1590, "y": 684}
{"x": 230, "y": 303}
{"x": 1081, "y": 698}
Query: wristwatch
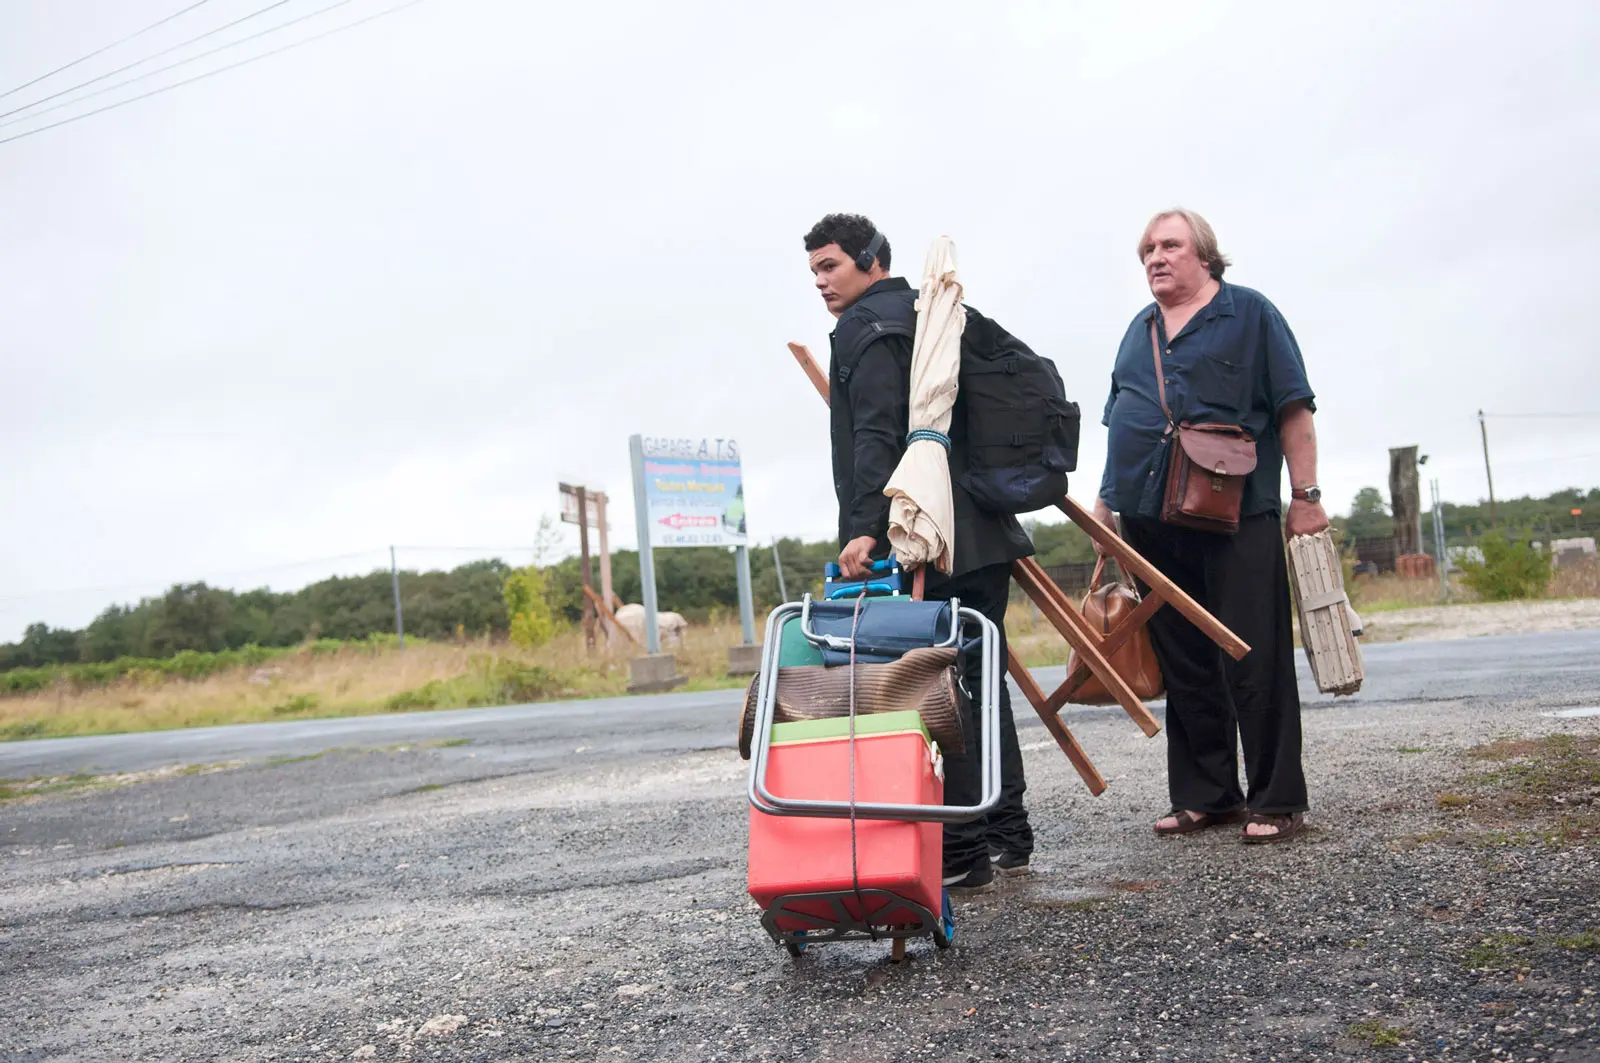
{"x": 1308, "y": 493}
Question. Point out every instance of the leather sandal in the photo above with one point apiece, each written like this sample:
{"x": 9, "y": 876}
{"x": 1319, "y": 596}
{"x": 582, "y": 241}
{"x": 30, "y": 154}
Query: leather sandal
{"x": 1190, "y": 821}
{"x": 1290, "y": 824}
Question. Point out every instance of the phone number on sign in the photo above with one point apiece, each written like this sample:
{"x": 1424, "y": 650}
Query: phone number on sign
{"x": 695, "y": 539}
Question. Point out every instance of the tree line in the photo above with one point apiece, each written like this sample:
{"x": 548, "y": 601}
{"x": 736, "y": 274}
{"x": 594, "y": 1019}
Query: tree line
{"x": 469, "y": 601}
{"x": 1544, "y": 518}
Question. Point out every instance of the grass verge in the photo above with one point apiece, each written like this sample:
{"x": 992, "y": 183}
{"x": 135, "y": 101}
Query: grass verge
{"x": 1524, "y": 792}
{"x": 351, "y": 679}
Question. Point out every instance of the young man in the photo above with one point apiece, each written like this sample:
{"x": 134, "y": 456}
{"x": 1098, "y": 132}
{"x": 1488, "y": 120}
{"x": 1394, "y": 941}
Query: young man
{"x": 870, "y": 386}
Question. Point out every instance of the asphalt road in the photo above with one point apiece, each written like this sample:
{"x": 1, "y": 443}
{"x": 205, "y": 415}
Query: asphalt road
{"x": 567, "y": 881}
{"x": 1531, "y": 665}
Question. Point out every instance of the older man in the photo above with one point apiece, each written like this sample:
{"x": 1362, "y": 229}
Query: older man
{"x": 1226, "y": 356}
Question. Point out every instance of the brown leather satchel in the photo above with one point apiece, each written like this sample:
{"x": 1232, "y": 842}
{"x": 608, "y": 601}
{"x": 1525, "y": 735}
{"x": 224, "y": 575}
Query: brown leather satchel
{"x": 1206, "y": 469}
{"x": 1135, "y": 660}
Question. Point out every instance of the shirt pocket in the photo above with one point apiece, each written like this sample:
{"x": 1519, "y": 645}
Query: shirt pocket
{"x": 1219, "y": 384}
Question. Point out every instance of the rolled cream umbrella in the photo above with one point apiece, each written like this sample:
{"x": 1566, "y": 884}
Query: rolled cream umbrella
{"x": 921, "y": 513}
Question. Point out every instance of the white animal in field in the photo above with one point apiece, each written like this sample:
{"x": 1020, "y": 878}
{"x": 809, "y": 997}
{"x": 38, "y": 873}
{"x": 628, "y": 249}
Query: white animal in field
{"x": 670, "y": 625}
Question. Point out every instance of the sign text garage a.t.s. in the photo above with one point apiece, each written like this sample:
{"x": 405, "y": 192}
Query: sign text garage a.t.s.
{"x": 694, "y": 492}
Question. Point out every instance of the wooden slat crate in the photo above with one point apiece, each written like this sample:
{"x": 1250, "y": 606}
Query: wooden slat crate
{"x": 1328, "y": 625}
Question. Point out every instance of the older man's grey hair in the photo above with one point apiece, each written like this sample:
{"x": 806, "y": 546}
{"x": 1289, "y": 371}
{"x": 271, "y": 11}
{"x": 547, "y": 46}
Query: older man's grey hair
{"x": 1205, "y": 239}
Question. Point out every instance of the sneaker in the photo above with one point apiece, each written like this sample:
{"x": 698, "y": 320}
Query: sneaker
{"x": 980, "y": 876}
{"x": 1011, "y": 863}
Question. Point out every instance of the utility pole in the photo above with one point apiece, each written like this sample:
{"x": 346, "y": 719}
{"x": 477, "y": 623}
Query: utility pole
{"x": 399, "y": 619}
{"x": 777, "y": 563}
{"x": 1494, "y": 520}
{"x": 1438, "y": 541}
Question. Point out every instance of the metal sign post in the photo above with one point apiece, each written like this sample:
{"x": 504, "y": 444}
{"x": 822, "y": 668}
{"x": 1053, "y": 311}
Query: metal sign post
{"x": 647, "y": 561}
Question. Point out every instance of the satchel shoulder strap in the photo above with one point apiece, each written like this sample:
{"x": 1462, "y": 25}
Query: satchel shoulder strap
{"x": 1161, "y": 387}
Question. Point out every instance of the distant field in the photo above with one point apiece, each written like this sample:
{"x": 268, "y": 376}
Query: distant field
{"x": 328, "y": 678}
{"x": 337, "y": 679}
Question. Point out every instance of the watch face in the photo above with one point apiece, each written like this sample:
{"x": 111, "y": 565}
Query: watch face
{"x": 1313, "y": 494}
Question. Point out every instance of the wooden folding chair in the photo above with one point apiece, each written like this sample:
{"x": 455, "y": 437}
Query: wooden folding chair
{"x": 1091, "y": 649}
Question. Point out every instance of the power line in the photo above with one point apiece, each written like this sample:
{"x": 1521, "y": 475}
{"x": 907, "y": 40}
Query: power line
{"x": 1547, "y": 460}
{"x": 1541, "y": 416}
{"x": 163, "y": 69}
{"x": 277, "y": 567}
{"x": 467, "y": 549}
{"x": 221, "y": 69}
{"x": 101, "y": 51}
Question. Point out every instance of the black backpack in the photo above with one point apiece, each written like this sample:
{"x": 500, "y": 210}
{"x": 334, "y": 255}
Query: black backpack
{"x": 1022, "y": 433}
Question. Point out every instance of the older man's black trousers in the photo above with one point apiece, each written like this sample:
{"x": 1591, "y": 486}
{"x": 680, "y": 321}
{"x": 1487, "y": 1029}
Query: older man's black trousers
{"x": 1214, "y": 703}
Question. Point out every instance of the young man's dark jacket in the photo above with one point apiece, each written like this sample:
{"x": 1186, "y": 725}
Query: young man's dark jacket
{"x": 869, "y": 384}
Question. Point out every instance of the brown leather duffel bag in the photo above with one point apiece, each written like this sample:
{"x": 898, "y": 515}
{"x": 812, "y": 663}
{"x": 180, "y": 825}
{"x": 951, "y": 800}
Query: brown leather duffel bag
{"x": 1135, "y": 660}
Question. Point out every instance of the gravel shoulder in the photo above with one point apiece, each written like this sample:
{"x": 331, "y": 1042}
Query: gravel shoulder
{"x": 445, "y": 903}
{"x": 1480, "y": 619}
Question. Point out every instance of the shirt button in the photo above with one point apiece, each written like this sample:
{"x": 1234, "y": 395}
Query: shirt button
{"x": 1169, "y": 350}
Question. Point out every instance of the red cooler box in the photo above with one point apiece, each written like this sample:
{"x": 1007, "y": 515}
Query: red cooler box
{"x": 803, "y": 854}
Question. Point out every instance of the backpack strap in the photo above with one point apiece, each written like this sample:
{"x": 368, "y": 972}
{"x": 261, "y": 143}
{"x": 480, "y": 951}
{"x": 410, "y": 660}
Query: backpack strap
{"x": 1161, "y": 373}
{"x": 891, "y": 313}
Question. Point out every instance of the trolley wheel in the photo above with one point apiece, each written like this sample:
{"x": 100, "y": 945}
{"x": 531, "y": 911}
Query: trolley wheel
{"x": 897, "y": 953}
{"x": 944, "y": 935}
{"x": 796, "y": 948}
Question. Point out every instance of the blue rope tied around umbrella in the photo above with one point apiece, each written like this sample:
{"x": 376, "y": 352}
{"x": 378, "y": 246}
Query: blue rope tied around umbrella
{"x": 929, "y": 433}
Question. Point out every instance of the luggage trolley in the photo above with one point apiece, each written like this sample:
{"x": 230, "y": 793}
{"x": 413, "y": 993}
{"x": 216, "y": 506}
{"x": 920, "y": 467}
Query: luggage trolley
{"x": 827, "y": 864}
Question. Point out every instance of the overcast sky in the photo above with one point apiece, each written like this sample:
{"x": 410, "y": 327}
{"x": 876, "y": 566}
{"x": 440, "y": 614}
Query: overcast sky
{"x": 391, "y": 287}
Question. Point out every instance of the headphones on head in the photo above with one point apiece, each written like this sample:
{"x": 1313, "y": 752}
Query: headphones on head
{"x": 865, "y": 259}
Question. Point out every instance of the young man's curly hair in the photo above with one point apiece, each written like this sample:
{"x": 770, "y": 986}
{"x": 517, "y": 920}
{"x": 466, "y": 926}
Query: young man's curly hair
{"x": 852, "y": 232}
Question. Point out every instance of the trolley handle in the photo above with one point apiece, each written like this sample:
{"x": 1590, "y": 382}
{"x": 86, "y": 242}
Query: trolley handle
{"x": 764, "y": 800}
{"x": 842, "y": 645}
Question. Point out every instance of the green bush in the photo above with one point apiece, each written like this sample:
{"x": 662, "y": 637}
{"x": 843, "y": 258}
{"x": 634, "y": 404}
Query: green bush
{"x": 297, "y": 705}
{"x": 534, "y": 617}
{"x": 1508, "y": 570}
{"x": 487, "y": 681}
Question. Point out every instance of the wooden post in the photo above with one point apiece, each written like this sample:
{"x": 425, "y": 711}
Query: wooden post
{"x": 1405, "y": 501}
{"x": 600, "y": 500}
{"x": 611, "y": 617}
{"x": 583, "y": 559}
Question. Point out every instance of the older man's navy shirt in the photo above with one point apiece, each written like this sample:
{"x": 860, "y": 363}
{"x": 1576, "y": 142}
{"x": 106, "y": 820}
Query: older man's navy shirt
{"x": 1234, "y": 362}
